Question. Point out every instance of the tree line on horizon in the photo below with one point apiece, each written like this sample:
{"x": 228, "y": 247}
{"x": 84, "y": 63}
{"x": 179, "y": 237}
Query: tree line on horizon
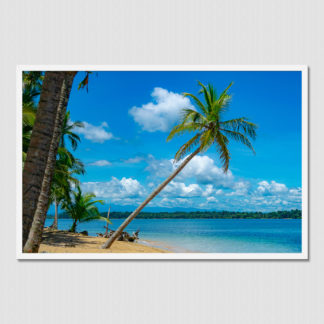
{"x": 280, "y": 214}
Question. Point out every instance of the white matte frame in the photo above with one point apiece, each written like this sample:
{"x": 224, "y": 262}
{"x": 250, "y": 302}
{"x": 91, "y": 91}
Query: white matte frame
{"x": 303, "y": 255}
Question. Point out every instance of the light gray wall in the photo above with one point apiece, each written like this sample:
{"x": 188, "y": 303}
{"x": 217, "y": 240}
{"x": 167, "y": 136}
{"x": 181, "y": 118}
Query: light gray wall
{"x": 161, "y": 32}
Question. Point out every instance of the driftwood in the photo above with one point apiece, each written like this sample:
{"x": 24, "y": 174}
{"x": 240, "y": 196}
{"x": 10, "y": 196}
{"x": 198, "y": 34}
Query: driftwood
{"x": 124, "y": 236}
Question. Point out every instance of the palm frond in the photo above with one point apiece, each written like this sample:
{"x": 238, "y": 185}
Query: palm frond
{"x": 198, "y": 103}
{"x": 224, "y": 155}
{"x": 206, "y": 140}
{"x": 187, "y": 147}
{"x": 212, "y": 92}
{"x": 239, "y": 137}
{"x": 206, "y": 95}
{"x": 240, "y": 124}
{"x": 182, "y": 128}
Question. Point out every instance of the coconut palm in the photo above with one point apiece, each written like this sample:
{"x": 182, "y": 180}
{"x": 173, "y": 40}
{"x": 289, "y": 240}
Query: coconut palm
{"x": 41, "y": 155}
{"x": 67, "y": 132}
{"x": 65, "y": 168}
{"x": 82, "y": 208}
{"x": 208, "y": 124}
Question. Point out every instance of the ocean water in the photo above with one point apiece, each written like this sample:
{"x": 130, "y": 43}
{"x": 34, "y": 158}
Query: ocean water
{"x": 208, "y": 235}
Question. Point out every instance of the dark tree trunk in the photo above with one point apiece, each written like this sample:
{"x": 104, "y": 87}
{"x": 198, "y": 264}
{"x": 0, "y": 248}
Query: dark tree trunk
{"x": 73, "y": 227}
{"x": 37, "y": 155}
{"x": 36, "y": 230}
{"x": 121, "y": 228}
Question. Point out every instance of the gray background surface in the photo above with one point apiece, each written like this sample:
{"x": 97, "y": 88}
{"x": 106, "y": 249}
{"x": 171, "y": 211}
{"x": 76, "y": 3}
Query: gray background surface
{"x": 161, "y": 32}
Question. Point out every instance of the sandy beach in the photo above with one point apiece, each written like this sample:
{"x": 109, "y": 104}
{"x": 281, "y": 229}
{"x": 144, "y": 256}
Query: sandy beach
{"x": 66, "y": 242}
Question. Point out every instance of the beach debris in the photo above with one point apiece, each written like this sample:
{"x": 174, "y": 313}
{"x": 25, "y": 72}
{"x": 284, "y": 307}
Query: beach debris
{"x": 84, "y": 233}
{"x": 124, "y": 236}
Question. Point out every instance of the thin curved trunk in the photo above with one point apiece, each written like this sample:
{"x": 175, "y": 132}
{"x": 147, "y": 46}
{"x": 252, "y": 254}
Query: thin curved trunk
{"x": 54, "y": 225}
{"x": 119, "y": 231}
{"x": 73, "y": 227}
{"x": 36, "y": 230}
{"x": 39, "y": 147}
{"x": 106, "y": 233}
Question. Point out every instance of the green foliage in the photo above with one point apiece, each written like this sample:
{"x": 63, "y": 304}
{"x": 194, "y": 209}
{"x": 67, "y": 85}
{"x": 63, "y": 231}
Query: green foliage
{"x": 82, "y": 207}
{"x": 85, "y": 82}
{"x": 66, "y": 165}
{"x": 67, "y": 131}
{"x": 32, "y": 85}
{"x": 207, "y": 121}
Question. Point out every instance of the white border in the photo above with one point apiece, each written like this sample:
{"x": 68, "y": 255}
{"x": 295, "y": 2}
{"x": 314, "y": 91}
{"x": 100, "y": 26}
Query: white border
{"x": 166, "y": 256}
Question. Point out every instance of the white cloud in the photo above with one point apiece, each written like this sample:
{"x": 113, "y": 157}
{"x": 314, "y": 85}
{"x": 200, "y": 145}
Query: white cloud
{"x": 209, "y": 190}
{"x": 271, "y": 188}
{"x": 240, "y": 188}
{"x": 100, "y": 163}
{"x": 179, "y": 189}
{"x": 123, "y": 191}
{"x": 211, "y": 199}
{"x": 96, "y": 134}
{"x": 295, "y": 192}
{"x": 136, "y": 159}
{"x": 170, "y": 203}
{"x": 202, "y": 168}
{"x": 162, "y": 113}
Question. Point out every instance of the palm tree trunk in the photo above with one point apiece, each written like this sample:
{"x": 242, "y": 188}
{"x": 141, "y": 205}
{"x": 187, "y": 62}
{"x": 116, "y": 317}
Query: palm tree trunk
{"x": 106, "y": 233}
{"x": 119, "y": 231}
{"x": 37, "y": 155}
{"x": 73, "y": 227}
{"x": 54, "y": 225}
{"x": 36, "y": 230}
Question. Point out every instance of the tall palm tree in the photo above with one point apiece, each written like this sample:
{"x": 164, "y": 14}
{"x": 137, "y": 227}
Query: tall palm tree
{"x": 207, "y": 122}
{"x": 65, "y": 168}
{"x": 83, "y": 208}
{"x": 41, "y": 156}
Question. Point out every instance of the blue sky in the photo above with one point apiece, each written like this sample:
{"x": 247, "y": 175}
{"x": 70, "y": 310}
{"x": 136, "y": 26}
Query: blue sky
{"x": 128, "y": 116}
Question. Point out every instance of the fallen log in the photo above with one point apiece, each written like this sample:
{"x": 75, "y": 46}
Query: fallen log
{"x": 124, "y": 236}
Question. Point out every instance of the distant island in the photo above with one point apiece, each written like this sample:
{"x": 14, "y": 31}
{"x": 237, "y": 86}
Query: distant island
{"x": 282, "y": 214}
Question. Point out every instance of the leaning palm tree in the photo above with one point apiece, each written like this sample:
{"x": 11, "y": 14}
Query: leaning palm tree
{"x": 207, "y": 122}
{"x": 83, "y": 208}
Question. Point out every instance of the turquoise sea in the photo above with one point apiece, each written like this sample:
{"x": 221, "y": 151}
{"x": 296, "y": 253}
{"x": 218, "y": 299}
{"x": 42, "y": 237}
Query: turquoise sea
{"x": 208, "y": 235}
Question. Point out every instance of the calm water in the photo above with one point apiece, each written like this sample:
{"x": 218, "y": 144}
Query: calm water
{"x": 209, "y": 235}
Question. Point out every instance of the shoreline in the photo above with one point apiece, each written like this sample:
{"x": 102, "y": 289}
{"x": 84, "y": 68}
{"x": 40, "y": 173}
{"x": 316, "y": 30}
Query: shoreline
{"x": 66, "y": 242}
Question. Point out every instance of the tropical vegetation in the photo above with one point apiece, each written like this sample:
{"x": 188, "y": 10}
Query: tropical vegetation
{"x": 280, "y": 214}
{"x": 209, "y": 128}
{"x": 50, "y": 168}
{"x": 82, "y": 208}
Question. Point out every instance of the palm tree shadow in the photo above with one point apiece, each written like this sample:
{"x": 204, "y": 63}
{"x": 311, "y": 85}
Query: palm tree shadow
{"x": 64, "y": 239}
